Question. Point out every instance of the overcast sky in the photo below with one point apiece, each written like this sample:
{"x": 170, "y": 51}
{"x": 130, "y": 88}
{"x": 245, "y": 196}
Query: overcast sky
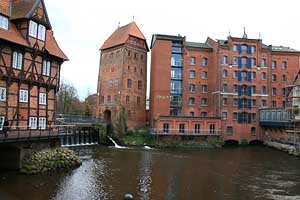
{"x": 81, "y": 27}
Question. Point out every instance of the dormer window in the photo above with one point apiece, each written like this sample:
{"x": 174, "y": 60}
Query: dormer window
{"x": 37, "y": 30}
{"x": 3, "y": 22}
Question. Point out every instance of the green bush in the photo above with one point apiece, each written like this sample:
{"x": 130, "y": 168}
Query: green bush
{"x": 244, "y": 142}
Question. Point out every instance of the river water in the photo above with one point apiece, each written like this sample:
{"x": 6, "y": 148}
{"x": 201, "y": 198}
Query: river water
{"x": 109, "y": 173}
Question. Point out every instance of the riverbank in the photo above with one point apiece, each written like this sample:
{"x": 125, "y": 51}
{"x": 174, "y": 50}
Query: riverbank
{"x": 290, "y": 149}
{"x": 142, "y": 137}
{"x": 57, "y": 159}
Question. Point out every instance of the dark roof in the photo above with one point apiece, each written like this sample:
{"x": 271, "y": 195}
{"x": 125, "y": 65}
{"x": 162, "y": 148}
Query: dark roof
{"x": 283, "y": 49}
{"x": 121, "y": 35}
{"x": 198, "y": 45}
{"x": 264, "y": 46}
{"x": 155, "y": 37}
{"x": 222, "y": 42}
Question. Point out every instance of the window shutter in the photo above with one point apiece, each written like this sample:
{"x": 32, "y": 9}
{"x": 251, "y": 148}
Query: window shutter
{"x": 249, "y": 76}
{"x": 239, "y": 76}
{"x": 249, "y": 103}
{"x": 240, "y": 104}
{"x": 240, "y": 118}
{"x": 249, "y": 118}
{"x": 249, "y": 63}
{"x": 239, "y": 48}
{"x": 239, "y": 63}
{"x": 249, "y": 90}
{"x": 249, "y": 49}
{"x": 239, "y": 90}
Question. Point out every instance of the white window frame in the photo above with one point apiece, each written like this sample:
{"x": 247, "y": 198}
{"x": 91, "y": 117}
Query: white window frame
{"x": 2, "y": 118}
{"x": 42, "y": 123}
{"x": 46, "y": 68}
{"x": 33, "y": 29}
{"x": 23, "y": 97}
{"x": 32, "y": 122}
{"x": 41, "y": 32}
{"x": 17, "y": 62}
{"x": 42, "y": 98}
{"x": 3, "y": 22}
{"x": 2, "y": 94}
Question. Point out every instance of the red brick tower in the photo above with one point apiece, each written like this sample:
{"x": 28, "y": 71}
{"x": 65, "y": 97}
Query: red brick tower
{"x": 123, "y": 76}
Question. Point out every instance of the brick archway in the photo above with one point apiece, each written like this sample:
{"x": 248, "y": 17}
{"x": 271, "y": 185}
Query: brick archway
{"x": 107, "y": 115}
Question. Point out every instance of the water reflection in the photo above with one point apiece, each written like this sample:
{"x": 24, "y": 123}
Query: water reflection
{"x": 108, "y": 174}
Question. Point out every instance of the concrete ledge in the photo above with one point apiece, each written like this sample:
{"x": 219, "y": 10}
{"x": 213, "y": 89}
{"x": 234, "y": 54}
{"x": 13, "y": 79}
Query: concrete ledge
{"x": 290, "y": 149}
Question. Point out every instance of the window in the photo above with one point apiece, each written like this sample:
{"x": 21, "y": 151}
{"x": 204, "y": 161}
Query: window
{"x": 127, "y": 99}
{"x": 165, "y": 128}
{"x": 101, "y": 99}
{"x": 42, "y": 123}
{"x": 234, "y": 116}
{"x": 116, "y": 83}
{"x": 244, "y": 49}
{"x": 253, "y": 89}
{"x": 204, "y": 62}
{"x": 2, "y": 118}
{"x": 33, "y": 122}
{"x": 225, "y": 101}
{"x": 235, "y": 47}
{"x": 108, "y": 99}
{"x": 43, "y": 98}
{"x": 263, "y": 62}
{"x": 129, "y": 54}
{"x": 135, "y": 55}
{"x": 283, "y": 104}
{"x": 203, "y": 101}
{"x": 129, "y": 83}
{"x": 42, "y": 32}
{"x": 253, "y": 62}
{"x": 135, "y": 69}
{"x": 235, "y": 88}
{"x": 17, "y": 60}
{"x": 224, "y": 115}
{"x": 263, "y": 89}
{"x": 2, "y": 94}
{"x": 139, "y": 84}
{"x": 253, "y": 131}
{"x": 229, "y": 130}
{"x": 212, "y": 128}
{"x": 46, "y": 68}
{"x": 203, "y": 88}
{"x": 176, "y": 60}
{"x": 192, "y": 87}
{"x": 225, "y": 88}
{"x": 283, "y": 91}
{"x": 110, "y": 83}
{"x": 197, "y": 128}
{"x": 273, "y": 64}
{"x": 181, "y": 128}
{"x": 253, "y": 102}
{"x": 225, "y": 73}
{"x": 252, "y": 49}
{"x": 23, "y": 96}
{"x": 274, "y": 91}
{"x": 116, "y": 99}
{"x": 284, "y": 79}
{"x": 235, "y": 61}
{"x": 243, "y": 76}
{"x": 243, "y": 62}
{"x": 283, "y": 65}
{"x": 263, "y": 76}
{"x": 192, "y": 74}
{"x": 273, "y": 77}
{"x": 33, "y": 29}
{"x": 3, "y": 22}
{"x": 225, "y": 60}
{"x": 203, "y": 114}
{"x": 273, "y": 104}
{"x": 253, "y": 117}
{"x": 191, "y": 101}
{"x": 235, "y": 102}
{"x": 192, "y": 114}
{"x": 204, "y": 75}
{"x": 176, "y": 87}
{"x": 176, "y": 73}
{"x": 192, "y": 61}
{"x": 235, "y": 74}
{"x": 138, "y": 100}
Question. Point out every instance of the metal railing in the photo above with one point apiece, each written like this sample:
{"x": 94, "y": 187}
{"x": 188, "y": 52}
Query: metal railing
{"x": 24, "y": 133}
{"x": 191, "y": 132}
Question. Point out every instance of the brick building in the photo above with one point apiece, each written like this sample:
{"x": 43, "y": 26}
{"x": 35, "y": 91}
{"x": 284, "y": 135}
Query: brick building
{"x": 30, "y": 62}
{"x": 218, "y": 85}
{"x": 123, "y": 76}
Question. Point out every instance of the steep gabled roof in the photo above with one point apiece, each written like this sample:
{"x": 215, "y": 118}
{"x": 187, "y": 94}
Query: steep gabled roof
{"x": 53, "y": 48}
{"x": 24, "y": 9}
{"x": 13, "y": 35}
{"x": 121, "y": 35}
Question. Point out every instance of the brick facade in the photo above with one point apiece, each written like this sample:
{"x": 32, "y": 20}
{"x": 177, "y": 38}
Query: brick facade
{"x": 228, "y": 80}
{"x": 123, "y": 77}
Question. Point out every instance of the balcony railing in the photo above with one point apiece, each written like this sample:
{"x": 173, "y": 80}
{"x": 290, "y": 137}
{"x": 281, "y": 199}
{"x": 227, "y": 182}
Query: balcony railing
{"x": 191, "y": 132}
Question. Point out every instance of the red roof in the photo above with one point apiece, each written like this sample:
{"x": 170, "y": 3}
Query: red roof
{"x": 52, "y": 46}
{"x": 13, "y": 35}
{"x": 121, "y": 35}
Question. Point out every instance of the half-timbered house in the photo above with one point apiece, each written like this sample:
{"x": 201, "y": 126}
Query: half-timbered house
{"x": 30, "y": 62}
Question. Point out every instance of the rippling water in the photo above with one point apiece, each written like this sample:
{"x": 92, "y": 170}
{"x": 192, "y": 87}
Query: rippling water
{"x": 108, "y": 174}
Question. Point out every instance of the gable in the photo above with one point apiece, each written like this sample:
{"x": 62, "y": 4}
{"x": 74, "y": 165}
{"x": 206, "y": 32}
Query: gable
{"x": 40, "y": 14}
